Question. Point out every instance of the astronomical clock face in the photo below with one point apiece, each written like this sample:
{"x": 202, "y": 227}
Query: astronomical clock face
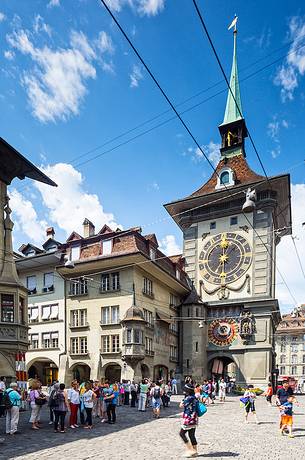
{"x": 225, "y": 258}
{"x": 222, "y": 332}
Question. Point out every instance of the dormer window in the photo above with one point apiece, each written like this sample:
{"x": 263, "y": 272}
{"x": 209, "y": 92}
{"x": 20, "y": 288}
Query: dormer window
{"x": 225, "y": 178}
{"x": 75, "y": 252}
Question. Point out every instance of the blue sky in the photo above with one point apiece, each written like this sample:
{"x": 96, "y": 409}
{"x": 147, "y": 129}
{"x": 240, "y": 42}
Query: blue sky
{"x": 70, "y": 83}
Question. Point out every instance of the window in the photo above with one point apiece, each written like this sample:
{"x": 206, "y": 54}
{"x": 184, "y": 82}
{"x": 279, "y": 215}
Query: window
{"x": 283, "y": 348}
{"x": 79, "y": 346}
{"x": 107, "y": 247}
{"x": 34, "y": 343}
{"x": 111, "y": 315}
{"x": 148, "y": 345}
{"x": 294, "y": 359}
{"x": 152, "y": 253}
{"x": 128, "y": 336}
{"x": 48, "y": 282}
{"x": 137, "y": 336}
{"x": 173, "y": 300}
{"x": 303, "y": 346}
{"x": 196, "y": 347}
{"x": 21, "y": 311}
{"x": 282, "y": 370}
{"x": 294, "y": 339}
{"x": 212, "y": 225}
{"x": 147, "y": 287}
{"x": 173, "y": 352}
{"x": 224, "y": 178}
{"x": 110, "y": 343}
{"x": 110, "y": 282}
{"x": 54, "y": 339}
{"x": 304, "y": 359}
{"x": 54, "y": 311}
{"x": 115, "y": 343}
{"x": 293, "y": 370}
{"x": 33, "y": 314}
{"x": 303, "y": 370}
{"x": 79, "y": 317}
{"x": 78, "y": 287}
{"x": 75, "y": 252}
{"x": 31, "y": 284}
{"x": 106, "y": 344}
{"x": 50, "y": 340}
{"x": 234, "y": 220}
{"x": 46, "y": 311}
{"x": 148, "y": 316}
{"x": 178, "y": 274}
{"x": 187, "y": 363}
{"x": 7, "y": 308}
{"x": 283, "y": 359}
{"x": 294, "y": 347}
{"x": 173, "y": 327}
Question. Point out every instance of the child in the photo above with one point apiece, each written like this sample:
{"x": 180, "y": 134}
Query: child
{"x": 189, "y": 420}
{"x": 286, "y": 416}
{"x": 250, "y": 404}
{"x": 268, "y": 393}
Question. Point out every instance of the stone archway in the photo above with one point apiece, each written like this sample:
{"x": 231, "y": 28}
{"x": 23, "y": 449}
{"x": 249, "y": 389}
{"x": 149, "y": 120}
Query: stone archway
{"x": 81, "y": 372}
{"x": 224, "y": 365}
{"x": 113, "y": 373}
{"x": 145, "y": 372}
{"x": 160, "y": 373}
{"x": 43, "y": 369}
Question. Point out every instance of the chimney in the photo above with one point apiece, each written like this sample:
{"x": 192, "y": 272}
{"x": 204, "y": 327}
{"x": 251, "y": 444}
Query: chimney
{"x": 89, "y": 228}
{"x": 50, "y": 232}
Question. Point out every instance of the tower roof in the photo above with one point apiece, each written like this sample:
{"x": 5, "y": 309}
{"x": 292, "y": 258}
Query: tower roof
{"x": 233, "y": 110}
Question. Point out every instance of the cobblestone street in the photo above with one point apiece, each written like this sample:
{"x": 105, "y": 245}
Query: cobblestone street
{"x": 222, "y": 434}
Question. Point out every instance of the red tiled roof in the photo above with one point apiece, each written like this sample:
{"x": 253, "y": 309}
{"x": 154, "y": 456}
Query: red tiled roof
{"x": 243, "y": 174}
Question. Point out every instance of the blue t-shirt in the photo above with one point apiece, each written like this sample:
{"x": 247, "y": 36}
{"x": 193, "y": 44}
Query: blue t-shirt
{"x": 115, "y": 399}
{"x": 283, "y": 394}
{"x": 109, "y": 392}
{"x": 14, "y": 397}
{"x": 287, "y": 408}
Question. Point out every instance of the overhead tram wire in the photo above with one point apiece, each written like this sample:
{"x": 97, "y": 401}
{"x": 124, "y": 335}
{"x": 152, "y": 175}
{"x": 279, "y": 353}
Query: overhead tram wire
{"x": 241, "y": 115}
{"x": 188, "y": 130}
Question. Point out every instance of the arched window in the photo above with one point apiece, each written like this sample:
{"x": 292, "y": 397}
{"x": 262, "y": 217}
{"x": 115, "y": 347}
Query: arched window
{"x": 225, "y": 178}
{"x": 283, "y": 359}
{"x": 294, "y": 359}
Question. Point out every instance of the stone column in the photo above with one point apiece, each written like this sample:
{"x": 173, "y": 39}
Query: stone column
{"x": 9, "y": 272}
{"x": 2, "y": 204}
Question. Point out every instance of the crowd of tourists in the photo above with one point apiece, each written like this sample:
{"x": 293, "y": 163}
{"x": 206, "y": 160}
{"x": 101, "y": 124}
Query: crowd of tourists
{"x": 80, "y": 404}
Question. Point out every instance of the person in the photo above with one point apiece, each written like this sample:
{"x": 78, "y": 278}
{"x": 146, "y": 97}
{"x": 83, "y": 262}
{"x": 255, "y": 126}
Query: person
{"x": 283, "y": 393}
{"x": 74, "y": 401}
{"x": 250, "y": 396}
{"x": 111, "y": 399}
{"x": 189, "y": 420}
{"x": 12, "y": 412}
{"x": 52, "y": 403}
{"x": 143, "y": 395}
{"x": 174, "y": 386}
{"x": 61, "y": 407}
{"x": 122, "y": 394}
{"x": 286, "y": 416}
{"x": 2, "y": 394}
{"x": 103, "y": 408}
{"x": 96, "y": 401}
{"x": 82, "y": 411}
{"x": 37, "y": 399}
{"x": 211, "y": 391}
{"x": 222, "y": 390}
{"x": 133, "y": 391}
{"x": 126, "y": 386}
{"x": 268, "y": 393}
{"x": 164, "y": 395}
{"x": 88, "y": 397}
{"x": 156, "y": 394}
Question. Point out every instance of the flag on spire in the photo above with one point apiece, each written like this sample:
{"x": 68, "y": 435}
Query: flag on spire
{"x": 233, "y": 23}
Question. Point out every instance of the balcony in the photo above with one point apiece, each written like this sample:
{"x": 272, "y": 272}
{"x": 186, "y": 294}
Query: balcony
{"x": 110, "y": 291}
{"x": 79, "y": 326}
{"x": 132, "y": 352}
{"x": 75, "y": 354}
{"x": 112, "y": 352}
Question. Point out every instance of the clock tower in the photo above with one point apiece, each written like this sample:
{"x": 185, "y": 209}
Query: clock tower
{"x": 227, "y": 329}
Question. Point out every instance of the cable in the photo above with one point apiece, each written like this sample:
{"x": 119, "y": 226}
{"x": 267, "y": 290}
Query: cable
{"x": 240, "y": 114}
{"x": 187, "y": 129}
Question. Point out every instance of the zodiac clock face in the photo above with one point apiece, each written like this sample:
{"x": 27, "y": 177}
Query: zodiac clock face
{"x": 222, "y": 332}
{"x": 225, "y": 258}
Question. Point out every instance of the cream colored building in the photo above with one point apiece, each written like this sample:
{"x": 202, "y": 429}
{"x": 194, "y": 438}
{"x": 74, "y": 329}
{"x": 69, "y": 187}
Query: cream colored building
{"x": 112, "y": 269}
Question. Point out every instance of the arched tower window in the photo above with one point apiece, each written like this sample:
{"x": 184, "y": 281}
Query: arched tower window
{"x": 225, "y": 178}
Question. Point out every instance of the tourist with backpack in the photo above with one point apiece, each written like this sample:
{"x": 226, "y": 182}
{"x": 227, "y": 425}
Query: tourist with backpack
{"x": 37, "y": 400}
{"x": 52, "y": 403}
{"x": 189, "y": 420}
{"x": 61, "y": 406}
{"x": 156, "y": 393}
{"x": 12, "y": 401}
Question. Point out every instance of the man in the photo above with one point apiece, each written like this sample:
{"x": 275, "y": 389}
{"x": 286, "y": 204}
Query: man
{"x": 174, "y": 386}
{"x": 144, "y": 387}
{"x": 156, "y": 393}
{"x": 222, "y": 390}
{"x": 2, "y": 393}
{"x": 283, "y": 393}
{"x": 12, "y": 412}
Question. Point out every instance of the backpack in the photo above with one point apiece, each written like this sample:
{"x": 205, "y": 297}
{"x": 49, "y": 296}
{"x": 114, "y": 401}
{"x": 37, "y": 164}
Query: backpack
{"x": 7, "y": 400}
{"x": 200, "y": 408}
{"x": 157, "y": 393}
{"x": 54, "y": 399}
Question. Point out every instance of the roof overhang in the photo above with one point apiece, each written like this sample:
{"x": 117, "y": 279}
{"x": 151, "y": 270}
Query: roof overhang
{"x": 37, "y": 261}
{"x": 13, "y": 164}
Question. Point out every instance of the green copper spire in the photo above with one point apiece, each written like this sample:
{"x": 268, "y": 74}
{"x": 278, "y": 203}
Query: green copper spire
{"x": 232, "y": 113}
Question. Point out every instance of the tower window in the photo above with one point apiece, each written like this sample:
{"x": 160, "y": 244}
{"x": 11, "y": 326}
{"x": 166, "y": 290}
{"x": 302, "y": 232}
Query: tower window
{"x": 225, "y": 178}
{"x": 212, "y": 225}
{"x": 234, "y": 220}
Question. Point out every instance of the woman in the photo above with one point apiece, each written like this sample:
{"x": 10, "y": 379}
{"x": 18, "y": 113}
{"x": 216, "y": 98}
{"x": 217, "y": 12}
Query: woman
{"x": 37, "y": 400}
{"x": 103, "y": 409}
{"x": 189, "y": 420}
{"x": 61, "y": 408}
{"x": 74, "y": 401}
{"x": 111, "y": 399}
{"x": 96, "y": 402}
{"x": 133, "y": 391}
{"x": 88, "y": 398}
{"x": 249, "y": 397}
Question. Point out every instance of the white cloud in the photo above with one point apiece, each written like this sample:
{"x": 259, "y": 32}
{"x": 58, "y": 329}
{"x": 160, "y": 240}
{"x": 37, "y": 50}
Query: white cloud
{"x": 287, "y": 76}
{"x": 68, "y": 204}
{"x": 40, "y": 26}
{"x": 2, "y": 17}
{"x": 153, "y": 187}
{"x": 142, "y": 7}
{"x": 9, "y": 55}
{"x": 56, "y": 84}
{"x": 211, "y": 150}
{"x": 104, "y": 43}
{"x": 273, "y": 131}
{"x": 26, "y": 218}
{"x": 135, "y": 76}
{"x": 170, "y": 246}
{"x": 286, "y": 256}
{"x": 53, "y": 3}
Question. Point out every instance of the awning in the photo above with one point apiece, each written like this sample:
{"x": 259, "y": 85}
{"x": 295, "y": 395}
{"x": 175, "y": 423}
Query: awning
{"x": 54, "y": 312}
{"x": 46, "y": 312}
{"x": 160, "y": 316}
{"x": 34, "y": 314}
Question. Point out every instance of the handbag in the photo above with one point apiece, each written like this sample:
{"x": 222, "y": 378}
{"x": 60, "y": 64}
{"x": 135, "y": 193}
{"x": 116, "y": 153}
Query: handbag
{"x": 201, "y": 409}
{"x": 41, "y": 400}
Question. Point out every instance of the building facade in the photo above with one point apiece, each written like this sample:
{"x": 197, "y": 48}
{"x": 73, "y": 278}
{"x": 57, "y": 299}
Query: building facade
{"x": 13, "y": 294}
{"x": 230, "y": 254}
{"x": 46, "y": 308}
{"x": 290, "y": 346}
